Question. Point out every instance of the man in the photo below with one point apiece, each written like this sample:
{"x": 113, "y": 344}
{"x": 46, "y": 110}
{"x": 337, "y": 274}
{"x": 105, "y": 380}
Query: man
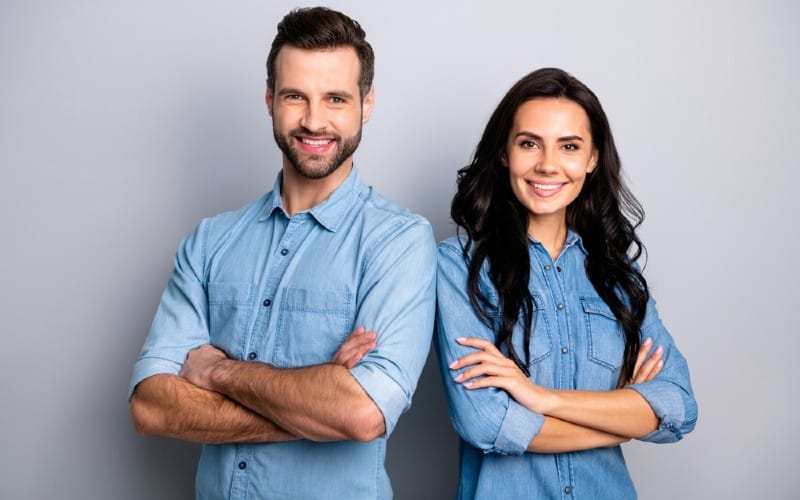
{"x": 258, "y": 348}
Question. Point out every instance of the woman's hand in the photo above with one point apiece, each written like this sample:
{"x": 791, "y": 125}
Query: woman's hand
{"x": 646, "y": 368}
{"x": 497, "y": 371}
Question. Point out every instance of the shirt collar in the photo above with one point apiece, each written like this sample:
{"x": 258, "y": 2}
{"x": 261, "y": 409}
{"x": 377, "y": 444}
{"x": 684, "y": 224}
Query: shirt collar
{"x": 573, "y": 238}
{"x": 331, "y": 212}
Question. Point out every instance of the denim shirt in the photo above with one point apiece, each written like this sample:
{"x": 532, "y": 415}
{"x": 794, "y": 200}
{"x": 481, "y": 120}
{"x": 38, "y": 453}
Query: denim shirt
{"x": 576, "y": 343}
{"x": 287, "y": 291}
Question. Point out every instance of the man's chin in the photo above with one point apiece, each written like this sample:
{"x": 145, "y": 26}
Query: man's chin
{"x": 311, "y": 169}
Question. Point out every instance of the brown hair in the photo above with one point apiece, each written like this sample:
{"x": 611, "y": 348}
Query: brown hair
{"x": 322, "y": 28}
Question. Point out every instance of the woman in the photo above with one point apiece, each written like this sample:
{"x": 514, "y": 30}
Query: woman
{"x": 552, "y": 352}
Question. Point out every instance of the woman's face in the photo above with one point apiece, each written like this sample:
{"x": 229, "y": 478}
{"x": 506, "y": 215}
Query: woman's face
{"x": 548, "y": 154}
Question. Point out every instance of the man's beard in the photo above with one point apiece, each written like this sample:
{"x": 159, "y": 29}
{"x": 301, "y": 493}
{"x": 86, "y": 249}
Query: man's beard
{"x": 315, "y": 166}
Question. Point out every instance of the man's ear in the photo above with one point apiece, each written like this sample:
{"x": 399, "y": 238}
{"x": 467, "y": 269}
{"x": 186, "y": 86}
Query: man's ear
{"x": 367, "y": 104}
{"x": 268, "y": 98}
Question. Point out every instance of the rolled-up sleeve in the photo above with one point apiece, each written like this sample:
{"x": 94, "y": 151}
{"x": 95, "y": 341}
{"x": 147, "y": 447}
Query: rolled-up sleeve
{"x": 397, "y": 301}
{"x": 670, "y": 392}
{"x": 488, "y": 418}
{"x": 181, "y": 321}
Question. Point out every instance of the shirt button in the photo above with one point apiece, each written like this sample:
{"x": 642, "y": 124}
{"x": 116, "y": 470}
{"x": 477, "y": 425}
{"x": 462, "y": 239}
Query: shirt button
{"x": 564, "y": 350}
{"x": 567, "y": 490}
{"x": 547, "y": 267}
{"x": 242, "y": 465}
{"x": 558, "y": 268}
{"x": 285, "y": 252}
{"x": 251, "y": 356}
{"x": 560, "y": 307}
{"x": 267, "y": 302}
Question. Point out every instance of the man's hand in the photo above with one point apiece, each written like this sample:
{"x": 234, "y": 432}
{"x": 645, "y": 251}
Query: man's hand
{"x": 199, "y": 364}
{"x": 355, "y": 347}
{"x": 200, "y": 361}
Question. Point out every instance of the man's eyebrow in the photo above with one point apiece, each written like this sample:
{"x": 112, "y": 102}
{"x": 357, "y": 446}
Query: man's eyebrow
{"x": 290, "y": 91}
{"x": 340, "y": 93}
{"x": 333, "y": 93}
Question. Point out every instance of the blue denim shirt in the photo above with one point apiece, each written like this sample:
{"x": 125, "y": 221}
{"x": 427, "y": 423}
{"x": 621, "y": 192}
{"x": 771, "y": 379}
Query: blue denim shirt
{"x": 576, "y": 343}
{"x": 287, "y": 291}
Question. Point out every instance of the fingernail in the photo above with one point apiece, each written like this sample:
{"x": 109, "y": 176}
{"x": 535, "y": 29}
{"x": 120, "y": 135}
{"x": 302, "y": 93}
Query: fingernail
{"x": 648, "y": 341}
{"x": 468, "y": 385}
{"x": 454, "y": 364}
{"x": 461, "y": 340}
{"x": 659, "y": 350}
{"x": 660, "y": 363}
{"x": 459, "y": 377}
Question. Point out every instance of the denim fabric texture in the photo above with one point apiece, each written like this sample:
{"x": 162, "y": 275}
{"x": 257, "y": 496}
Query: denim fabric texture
{"x": 576, "y": 343}
{"x": 287, "y": 291}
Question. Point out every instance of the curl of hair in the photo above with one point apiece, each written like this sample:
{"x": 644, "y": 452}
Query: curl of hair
{"x": 605, "y": 214}
{"x": 320, "y": 28}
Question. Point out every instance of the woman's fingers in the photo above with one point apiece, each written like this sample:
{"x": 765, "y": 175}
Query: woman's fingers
{"x": 648, "y": 367}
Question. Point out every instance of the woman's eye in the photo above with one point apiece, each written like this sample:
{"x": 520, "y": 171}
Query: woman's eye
{"x": 571, "y": 147}
{"x": 528, "y": 144}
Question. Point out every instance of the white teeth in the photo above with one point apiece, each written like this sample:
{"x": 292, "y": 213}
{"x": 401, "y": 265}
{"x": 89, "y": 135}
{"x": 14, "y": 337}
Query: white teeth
{"x": 546, "y": 187}
{"x": 317, "y": 143}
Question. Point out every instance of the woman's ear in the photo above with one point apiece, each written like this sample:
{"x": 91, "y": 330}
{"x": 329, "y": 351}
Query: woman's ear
{"x": 504, "y": 159}
{"x": 593, "y": 162}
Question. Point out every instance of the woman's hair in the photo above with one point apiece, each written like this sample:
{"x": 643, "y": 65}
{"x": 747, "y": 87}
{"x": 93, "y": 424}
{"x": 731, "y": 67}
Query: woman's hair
{"x": 605, "y": 215}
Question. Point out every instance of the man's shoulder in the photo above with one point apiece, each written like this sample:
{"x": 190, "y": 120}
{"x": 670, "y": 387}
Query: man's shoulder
{"x": 387, "y": 227}
{"x": 224, "y": 224}
{"x": 379, "y": 210}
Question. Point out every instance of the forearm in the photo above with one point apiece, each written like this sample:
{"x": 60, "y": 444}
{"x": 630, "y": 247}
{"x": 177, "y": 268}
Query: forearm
{"x": 559, "y": 436}
{"x": 170, "y": 406}
{"x": 320, "y": 403}
{"x": 622, "y": 412}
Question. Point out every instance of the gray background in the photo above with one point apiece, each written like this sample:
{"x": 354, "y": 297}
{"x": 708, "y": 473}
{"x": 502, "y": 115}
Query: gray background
{"x": 123, "y": 124}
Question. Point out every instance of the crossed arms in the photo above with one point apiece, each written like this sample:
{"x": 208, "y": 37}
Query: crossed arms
{"x": 215, "y": 399}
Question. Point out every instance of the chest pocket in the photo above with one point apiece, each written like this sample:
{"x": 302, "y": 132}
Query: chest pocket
{"x": 230, "y": 305}
{"x": 312, "y": 325}
{"x": 540, "y": 345}
{"x": 606, "y": 339}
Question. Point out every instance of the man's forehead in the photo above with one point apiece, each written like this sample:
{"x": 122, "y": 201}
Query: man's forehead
{"x": 339, "y": 63}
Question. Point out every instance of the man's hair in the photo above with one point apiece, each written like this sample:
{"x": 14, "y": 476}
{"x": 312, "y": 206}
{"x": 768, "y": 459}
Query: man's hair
{"x": 319, "y": 28}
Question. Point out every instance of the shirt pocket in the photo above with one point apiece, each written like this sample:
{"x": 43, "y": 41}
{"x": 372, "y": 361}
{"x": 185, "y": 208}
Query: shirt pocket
{"x": 312, "y": 324}
{"x": 540, "y": 344}
{"x": 230, "y": 305}
{"x": 606, "y": 342}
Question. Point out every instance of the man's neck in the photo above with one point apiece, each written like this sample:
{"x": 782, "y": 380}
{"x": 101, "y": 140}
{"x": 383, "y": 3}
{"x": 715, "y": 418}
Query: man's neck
{"x": 300, "y": 193}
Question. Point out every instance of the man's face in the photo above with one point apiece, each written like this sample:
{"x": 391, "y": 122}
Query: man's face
{"x": 317, "y": 111}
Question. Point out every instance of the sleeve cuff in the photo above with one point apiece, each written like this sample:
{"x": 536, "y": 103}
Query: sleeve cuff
{"x": 384, "y": 391}
{"x": 147, "y": 367}
{"x": 519, "y": 427}
{"x": 667, "y": 404}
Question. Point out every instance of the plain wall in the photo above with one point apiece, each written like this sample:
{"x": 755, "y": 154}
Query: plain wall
{"x": 122, "y": 124}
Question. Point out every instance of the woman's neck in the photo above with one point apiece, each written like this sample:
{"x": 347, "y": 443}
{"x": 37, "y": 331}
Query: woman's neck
{"x": 550, "y": 232}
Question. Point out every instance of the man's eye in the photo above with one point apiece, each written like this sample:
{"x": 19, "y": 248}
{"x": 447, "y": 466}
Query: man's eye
{"x": 337, "y": 100}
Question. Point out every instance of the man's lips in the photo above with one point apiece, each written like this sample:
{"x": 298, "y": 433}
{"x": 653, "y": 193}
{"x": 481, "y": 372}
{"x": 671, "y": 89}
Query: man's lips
{"x": 315, "y": 145}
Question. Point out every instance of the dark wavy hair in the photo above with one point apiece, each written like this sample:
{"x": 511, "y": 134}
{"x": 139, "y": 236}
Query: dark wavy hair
{"x": 319, "y": 28}
{"x": 605, "y": 214}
